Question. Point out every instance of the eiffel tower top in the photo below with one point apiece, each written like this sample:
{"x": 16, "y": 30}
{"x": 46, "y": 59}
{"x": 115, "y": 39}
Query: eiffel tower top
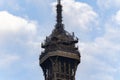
{"x": 60, "y": 39}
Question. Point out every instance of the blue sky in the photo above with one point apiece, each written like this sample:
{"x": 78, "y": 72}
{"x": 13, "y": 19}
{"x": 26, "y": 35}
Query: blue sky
{"x": 25, "y": 23}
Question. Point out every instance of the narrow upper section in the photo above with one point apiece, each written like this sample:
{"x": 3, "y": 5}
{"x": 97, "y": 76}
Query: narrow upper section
{"x": 59, "y": 1}
{"x": 59, "y": 12}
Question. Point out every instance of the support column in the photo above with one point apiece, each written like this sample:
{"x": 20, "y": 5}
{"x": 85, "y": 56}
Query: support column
{"x": 69, "y": 70}
{"x": 59, "y": 66}
{"x": 65, "y": 70}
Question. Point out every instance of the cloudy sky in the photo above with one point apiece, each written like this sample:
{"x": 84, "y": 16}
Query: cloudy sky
{"x": 25, "y": 23}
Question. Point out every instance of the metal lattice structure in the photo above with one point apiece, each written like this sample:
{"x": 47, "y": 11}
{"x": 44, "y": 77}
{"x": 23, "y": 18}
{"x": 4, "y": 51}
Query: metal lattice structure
{"x": 60, "y": 57}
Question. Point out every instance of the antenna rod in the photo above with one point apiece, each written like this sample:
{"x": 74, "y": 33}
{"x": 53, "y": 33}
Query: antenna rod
{"x": 59, "y": 12}
{"x": 59, "y": 1}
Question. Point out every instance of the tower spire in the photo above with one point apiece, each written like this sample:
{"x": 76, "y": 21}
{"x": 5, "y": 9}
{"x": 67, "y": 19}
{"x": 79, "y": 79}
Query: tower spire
{"x": 59, "y": 12}
{"x": 59, "y": 1}
{"x": 60, "y": 57}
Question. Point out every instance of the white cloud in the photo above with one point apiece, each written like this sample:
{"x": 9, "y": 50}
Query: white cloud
{"x": 6, "y": 60}
{"x": 78, "y": 14}
{"x": 100, "y": 58}
{"x": 106, "y": 4}
{"x": 11, "y": 25}
{"x": 116, "y": 18}
{"x": 16, "y": 35}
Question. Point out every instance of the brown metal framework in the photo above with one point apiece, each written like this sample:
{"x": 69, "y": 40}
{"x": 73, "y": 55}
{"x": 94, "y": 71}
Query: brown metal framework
{"x": 60, "y": 57}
